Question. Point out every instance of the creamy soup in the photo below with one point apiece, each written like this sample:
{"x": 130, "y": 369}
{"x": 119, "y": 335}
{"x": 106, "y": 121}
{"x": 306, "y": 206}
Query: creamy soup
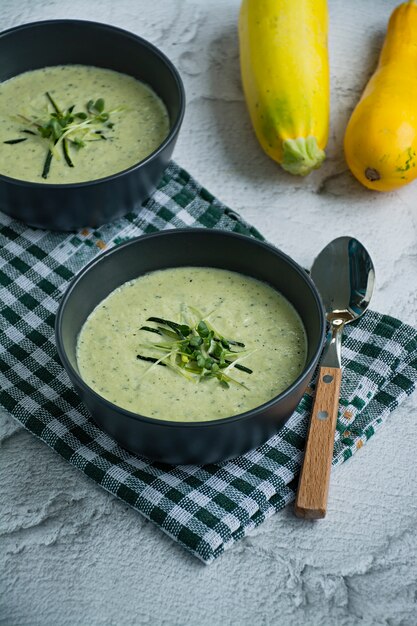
{"x": 129, "y": 123}
{"x": 261, "y": 331}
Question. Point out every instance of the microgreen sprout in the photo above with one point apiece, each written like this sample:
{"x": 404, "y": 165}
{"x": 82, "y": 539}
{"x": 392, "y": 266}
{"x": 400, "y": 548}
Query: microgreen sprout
{"x": 195, "y": 350}
{"x": 66, "y": 129}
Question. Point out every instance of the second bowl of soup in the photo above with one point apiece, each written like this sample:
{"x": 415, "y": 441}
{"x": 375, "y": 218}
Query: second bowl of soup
{"x": 89, "y": 117}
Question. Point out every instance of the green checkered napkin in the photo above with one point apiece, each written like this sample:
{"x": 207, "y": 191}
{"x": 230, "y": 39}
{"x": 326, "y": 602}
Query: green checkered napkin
{"x": 206, "y": 509}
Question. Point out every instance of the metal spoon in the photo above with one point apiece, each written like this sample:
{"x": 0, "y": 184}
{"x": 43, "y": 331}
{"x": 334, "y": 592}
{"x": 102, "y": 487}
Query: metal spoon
{"x": 344, "y": 274}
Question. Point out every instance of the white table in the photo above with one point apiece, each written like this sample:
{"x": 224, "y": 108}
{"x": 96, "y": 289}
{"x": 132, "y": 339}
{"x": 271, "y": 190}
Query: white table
{"x": 70, "y": 553}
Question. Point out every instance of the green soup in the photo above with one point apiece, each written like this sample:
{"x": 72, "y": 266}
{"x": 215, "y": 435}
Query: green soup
{"x": 237, "y": 307}
{"x": 137, "y": 123}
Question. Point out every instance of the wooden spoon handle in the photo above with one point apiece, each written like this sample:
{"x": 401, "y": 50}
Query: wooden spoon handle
{"x": 313, "y": 487}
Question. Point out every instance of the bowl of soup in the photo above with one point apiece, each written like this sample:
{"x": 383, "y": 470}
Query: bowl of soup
{"x": 191, "y": 345}
{"x": 89, "y": 117}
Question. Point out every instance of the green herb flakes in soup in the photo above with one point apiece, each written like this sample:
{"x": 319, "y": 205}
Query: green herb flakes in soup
{"x": 76, "y": 123}
{"x": 191, "y": 344}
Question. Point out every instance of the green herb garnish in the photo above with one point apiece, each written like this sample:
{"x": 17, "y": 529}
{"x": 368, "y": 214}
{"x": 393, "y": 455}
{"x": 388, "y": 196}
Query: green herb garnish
{"x": 13, "y": 141}
{"x": 148, "y": 358}
{"x": 67, "y": 129}
{"x": 196, "y": 351}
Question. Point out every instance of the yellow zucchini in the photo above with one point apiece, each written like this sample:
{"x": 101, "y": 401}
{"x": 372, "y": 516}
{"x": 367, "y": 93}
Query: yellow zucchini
{"x": 381, "y": 137}
{"x": 285, "y": 76}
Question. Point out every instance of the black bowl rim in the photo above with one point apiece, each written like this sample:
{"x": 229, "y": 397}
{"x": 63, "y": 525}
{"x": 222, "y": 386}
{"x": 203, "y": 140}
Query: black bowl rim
{"x": 171, "y": 424}
{"x": 144, "y": 42}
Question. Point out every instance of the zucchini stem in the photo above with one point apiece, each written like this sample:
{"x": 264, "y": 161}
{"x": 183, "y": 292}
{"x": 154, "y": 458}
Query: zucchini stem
{"x": 302, "y": 155}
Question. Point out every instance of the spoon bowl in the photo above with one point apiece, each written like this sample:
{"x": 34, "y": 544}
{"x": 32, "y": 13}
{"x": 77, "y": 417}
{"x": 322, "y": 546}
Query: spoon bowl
{"x": 344, "y": 274}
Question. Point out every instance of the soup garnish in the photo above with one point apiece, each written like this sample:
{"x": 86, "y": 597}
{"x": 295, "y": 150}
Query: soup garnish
{"x": 196, "y": 350}
{"x": 66, "y": 128}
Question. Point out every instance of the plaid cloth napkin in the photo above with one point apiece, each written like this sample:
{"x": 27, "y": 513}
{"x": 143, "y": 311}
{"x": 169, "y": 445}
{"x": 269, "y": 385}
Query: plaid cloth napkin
{"x": 205, "y": 508}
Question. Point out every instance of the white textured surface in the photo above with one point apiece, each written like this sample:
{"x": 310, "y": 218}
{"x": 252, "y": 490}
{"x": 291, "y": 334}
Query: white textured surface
{"x": 70, "y": 554}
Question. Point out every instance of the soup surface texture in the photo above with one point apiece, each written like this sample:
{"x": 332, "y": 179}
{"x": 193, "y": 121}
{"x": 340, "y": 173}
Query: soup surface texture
{"x": 238, "y": 307}
{"x": 137, "y": 124}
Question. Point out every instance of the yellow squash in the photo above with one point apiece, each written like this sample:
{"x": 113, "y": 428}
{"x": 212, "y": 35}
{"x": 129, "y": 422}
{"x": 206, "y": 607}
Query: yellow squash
{"x": 285, "y": 75}
{"x": 381, "y": 137}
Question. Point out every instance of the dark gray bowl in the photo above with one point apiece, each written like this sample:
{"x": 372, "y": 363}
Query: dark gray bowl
{"x": 181, "y": 442}
{"x": 62, "y": 42}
